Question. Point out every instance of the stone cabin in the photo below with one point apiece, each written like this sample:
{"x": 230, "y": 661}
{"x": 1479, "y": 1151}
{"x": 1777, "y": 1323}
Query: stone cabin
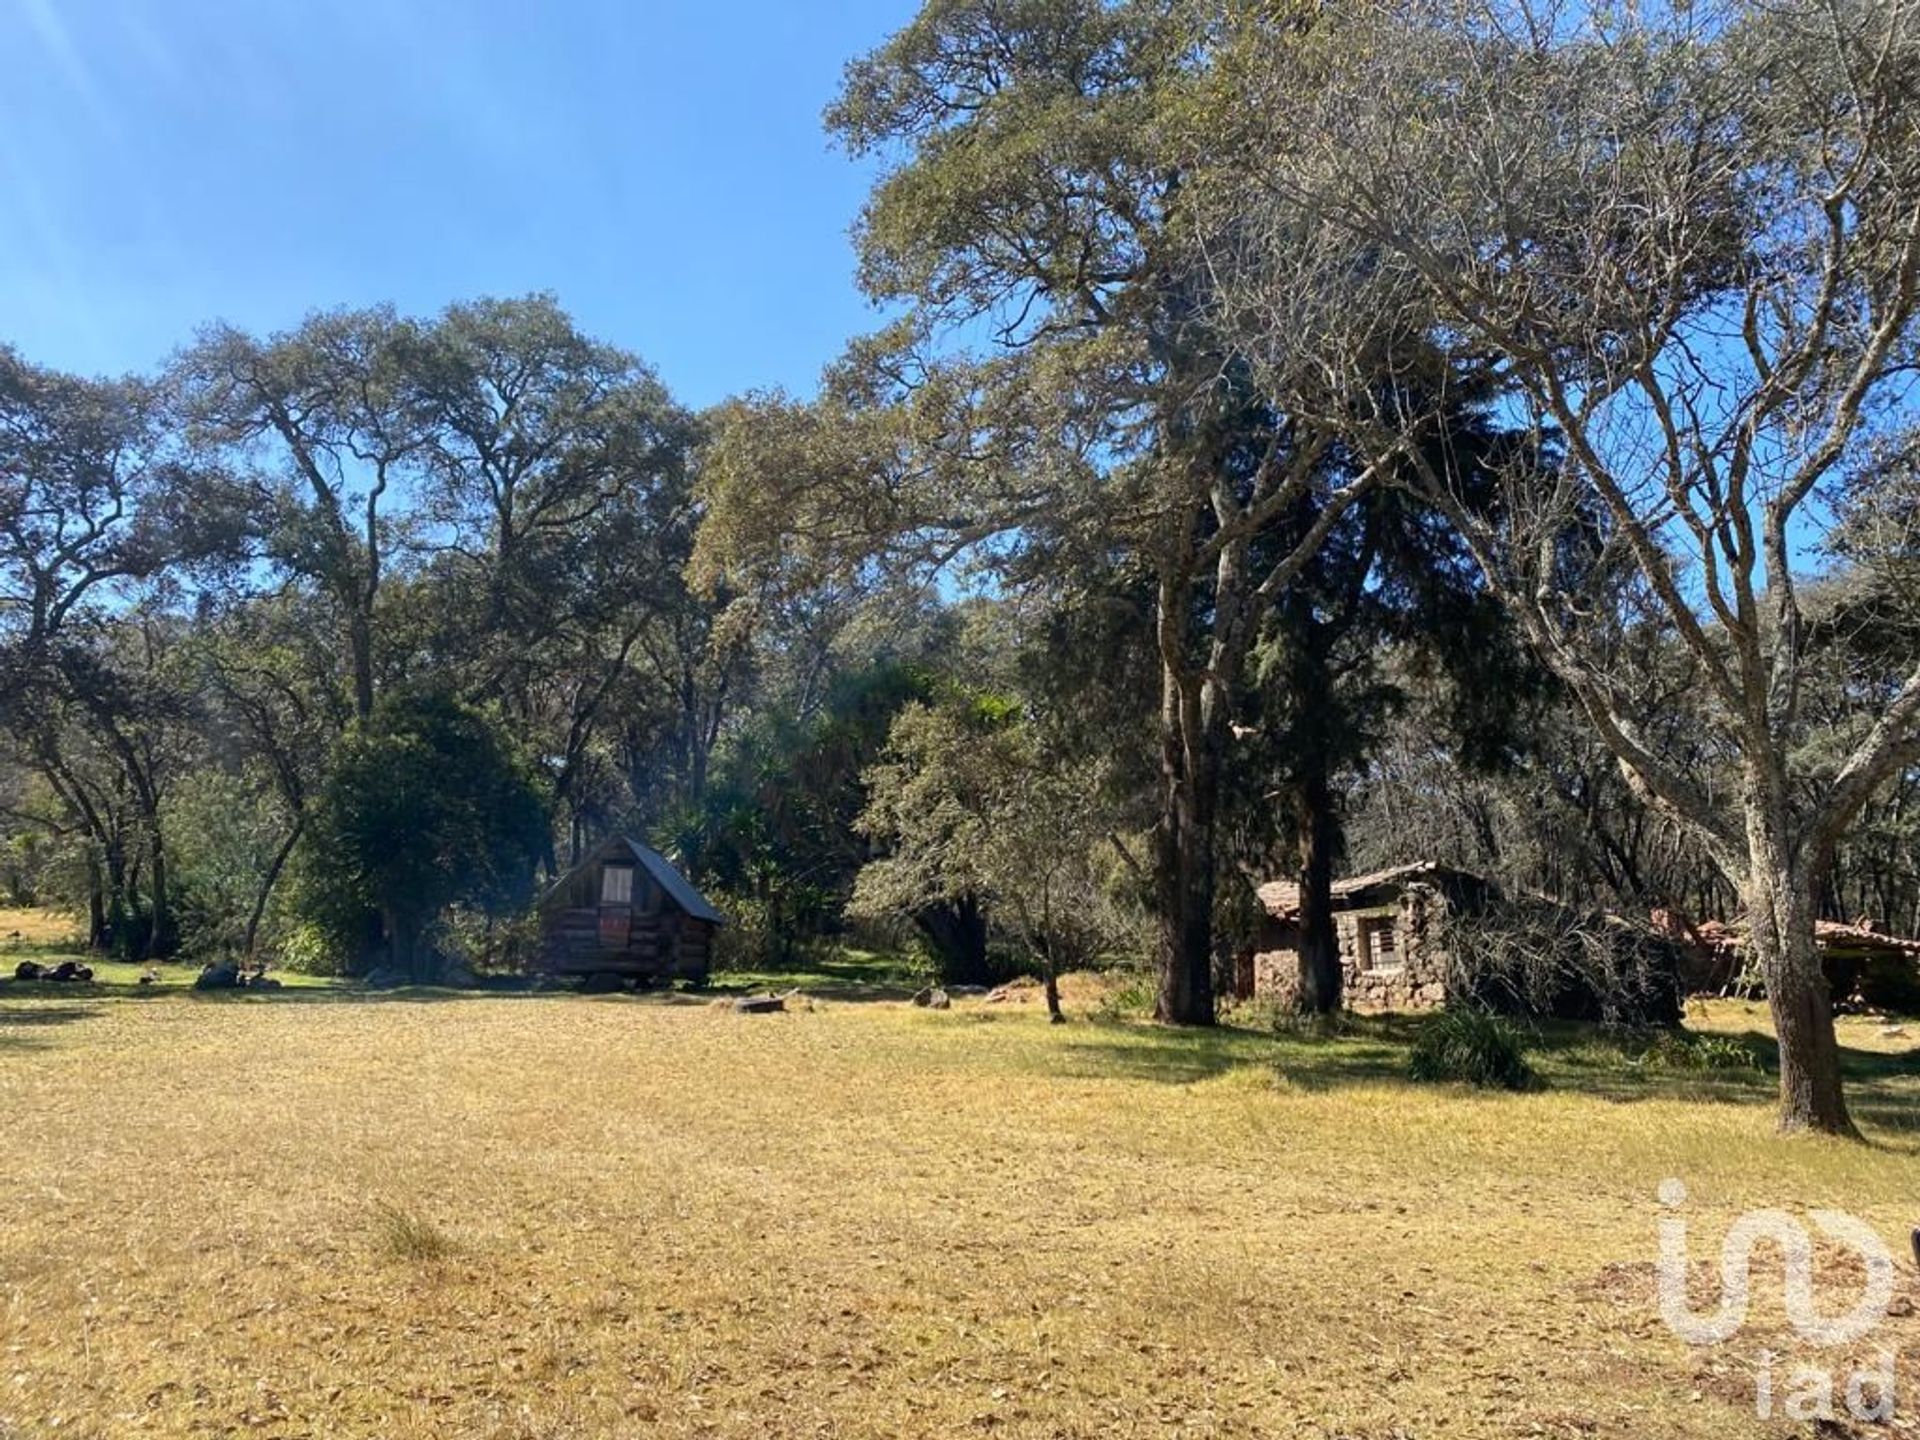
{"x": 1531, "y": 955}
{"x": 1388, "y": 925}
{"x": 624, "y": 910}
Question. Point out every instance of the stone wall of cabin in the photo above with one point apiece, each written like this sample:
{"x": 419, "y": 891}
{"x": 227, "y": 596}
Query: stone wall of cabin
{"x": 1414, "y": 980}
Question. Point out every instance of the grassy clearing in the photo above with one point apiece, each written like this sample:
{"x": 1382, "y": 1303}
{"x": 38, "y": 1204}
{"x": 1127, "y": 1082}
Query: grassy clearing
{"x": 532, "y": 1217}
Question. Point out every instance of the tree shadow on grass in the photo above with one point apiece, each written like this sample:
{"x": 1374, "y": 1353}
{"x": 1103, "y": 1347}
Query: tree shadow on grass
{"x": 46, "y": 1015}
{"x": 1125, "y": 1050}
{"x": 18, "y": 1027}
{"x": 844, "y": 979}
{"x": 1883, "y": 1089}
{"x": 36, "y": 994}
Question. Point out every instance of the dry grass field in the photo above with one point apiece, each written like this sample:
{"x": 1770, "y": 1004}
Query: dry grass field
{"x": 532, "y": 1217}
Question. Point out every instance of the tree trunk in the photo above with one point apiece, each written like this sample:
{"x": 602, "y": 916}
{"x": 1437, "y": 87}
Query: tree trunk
{"x": 1183, "y": 879}
{"x": 1321, "y": 976}
{"x": 957, "y": 933}
{"x": 161, "y": 941}
{"x": 360, "y": 644}
{"x": 271, "y": 879}
{"x": 118, "y": 926}
{"x": 404, "y": 949}
{"x": 1779, "y": 896}
{"x": 98, "y": 936}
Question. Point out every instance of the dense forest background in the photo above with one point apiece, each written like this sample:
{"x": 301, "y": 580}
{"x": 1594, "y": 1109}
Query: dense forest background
{"x": 1241, "y": 488}
{"x": 216, "y": 574}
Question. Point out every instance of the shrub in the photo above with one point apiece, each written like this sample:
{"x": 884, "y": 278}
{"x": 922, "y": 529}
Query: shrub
{"x": 403, "y": 1235}
{"x": 1132, "y": 995}
{"x": 1677, "y": 1050}
{"x": 428, "y": 804}
{"x": 490, "y": 945}
{"x": 1474, "y": 1047}
{"x": 1528, "y": 956}
{"x": 314, "y": 949}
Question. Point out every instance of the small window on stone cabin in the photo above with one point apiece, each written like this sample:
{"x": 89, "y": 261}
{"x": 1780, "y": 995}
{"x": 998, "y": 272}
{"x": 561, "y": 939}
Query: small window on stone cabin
{"x": 1380, "y": 943}
{"x": 616, "y": 885}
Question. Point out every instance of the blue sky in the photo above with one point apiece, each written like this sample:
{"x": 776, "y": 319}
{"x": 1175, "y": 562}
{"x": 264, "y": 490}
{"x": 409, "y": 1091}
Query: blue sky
{"x": 658, "y": 164}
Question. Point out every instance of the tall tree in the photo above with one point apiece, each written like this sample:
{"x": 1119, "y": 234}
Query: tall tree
{"x": 1033, "y": 207}
{"x": 97, "y": 499}
{"x": 323, "y": 426}
{"x": 972, "y": 807}
{"x": 428, "y": 804}
{"x": 560, "y": 515}
{"x": 1686, "y": 241}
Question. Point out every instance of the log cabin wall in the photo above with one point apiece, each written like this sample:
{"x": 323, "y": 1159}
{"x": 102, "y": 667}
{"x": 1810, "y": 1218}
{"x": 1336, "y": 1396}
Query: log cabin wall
{"x": 648, "y": 938}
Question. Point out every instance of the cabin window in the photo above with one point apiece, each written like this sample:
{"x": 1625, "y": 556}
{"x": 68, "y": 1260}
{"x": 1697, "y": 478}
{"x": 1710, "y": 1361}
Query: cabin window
{"x": 616, "y": 885}
{"x": 1379, "y": 943}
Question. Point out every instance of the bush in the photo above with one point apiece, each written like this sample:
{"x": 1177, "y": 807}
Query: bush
{"x": 749, "y": 940}
{"x": 1133, "y": 995}
{"x": 313, "y": 949}
{"x": 428, "y": 804}
{"x": 1677, "y": 1050}
{"x": 404, "y": 1235}
{"x": 490, "y": 945}
{"x": 1474, "y": 1047}
{"x": 1529, "y": 956}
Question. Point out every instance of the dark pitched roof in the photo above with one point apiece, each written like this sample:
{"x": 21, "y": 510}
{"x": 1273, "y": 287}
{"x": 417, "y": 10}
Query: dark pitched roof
{"x": 677, "y": 886}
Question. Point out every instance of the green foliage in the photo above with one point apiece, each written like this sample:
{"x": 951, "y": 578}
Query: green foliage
{"x": 223, "y": 834}
{"x": 972, "y": 812}
{"x": 427, "y": 804}
{"x": 1473, "y": 1047}
{"x": 489, "y": 942}
{"x": 754, "y": 937}
{"x": 1131, "y": 999}
{"x": 1682, "y": 1050}
{"x": 775, "y": 829}
{"x": 314, "y": 947}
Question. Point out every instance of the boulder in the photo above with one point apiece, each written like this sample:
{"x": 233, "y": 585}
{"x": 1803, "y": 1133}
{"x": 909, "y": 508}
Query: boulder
{"x": 65, "y": 970}
{"x": 223, "y": 976}
{"x": 758, "y": 1004}
{"x": 458, "y": 974}
{"x": 263, "y": 982}
{"x": 933, "y": 998}
{"x": 83, "y": 973}
{"x": 27, "y": 970}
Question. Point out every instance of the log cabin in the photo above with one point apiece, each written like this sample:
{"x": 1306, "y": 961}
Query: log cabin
{"x": 624, "y": 910}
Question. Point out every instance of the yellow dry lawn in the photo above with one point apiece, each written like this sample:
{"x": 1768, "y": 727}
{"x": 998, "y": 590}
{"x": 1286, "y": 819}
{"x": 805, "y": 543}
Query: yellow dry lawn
{"x": 544, "y": 1216}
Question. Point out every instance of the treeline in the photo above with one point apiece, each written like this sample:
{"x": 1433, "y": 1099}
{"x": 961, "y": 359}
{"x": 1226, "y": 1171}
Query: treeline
{"x": 1307, "y": 437}
{"x": 217, "y": 574}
